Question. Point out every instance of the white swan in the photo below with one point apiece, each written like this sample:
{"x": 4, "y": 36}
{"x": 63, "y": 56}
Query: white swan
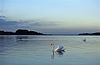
{"x": 59, "y": 48}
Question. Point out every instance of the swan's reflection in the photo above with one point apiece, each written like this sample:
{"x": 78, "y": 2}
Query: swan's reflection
{"x": 60, "y": 52}
{"x": 54, "y": 53}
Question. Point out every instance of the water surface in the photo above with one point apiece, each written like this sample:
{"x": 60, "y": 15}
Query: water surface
{"x": 37, "y": 50}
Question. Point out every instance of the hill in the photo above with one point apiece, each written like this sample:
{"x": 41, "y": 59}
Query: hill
{"x": 20, "y": 32}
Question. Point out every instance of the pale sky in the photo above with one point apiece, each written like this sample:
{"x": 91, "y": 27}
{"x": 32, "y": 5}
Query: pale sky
{"x": 53, "y": 16}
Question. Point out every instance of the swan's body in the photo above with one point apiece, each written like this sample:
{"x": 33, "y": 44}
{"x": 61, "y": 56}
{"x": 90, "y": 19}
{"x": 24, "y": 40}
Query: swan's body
{"x": 59, "y": 49}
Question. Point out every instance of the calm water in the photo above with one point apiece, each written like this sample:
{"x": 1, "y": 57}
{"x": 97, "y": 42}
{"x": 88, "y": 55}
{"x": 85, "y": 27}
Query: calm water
{"x": 36, "y": 50}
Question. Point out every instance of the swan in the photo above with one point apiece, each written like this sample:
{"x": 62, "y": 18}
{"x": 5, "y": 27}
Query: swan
{"x": 84, "y": 40}
{"x": 59, "y": 48}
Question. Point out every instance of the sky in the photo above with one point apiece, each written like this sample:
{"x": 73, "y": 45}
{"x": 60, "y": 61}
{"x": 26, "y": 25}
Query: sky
{"x": 51, "y": 16}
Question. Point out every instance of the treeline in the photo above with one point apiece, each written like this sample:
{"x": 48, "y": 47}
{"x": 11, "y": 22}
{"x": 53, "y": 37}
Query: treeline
{"x": 96, "y": 33}
{"x": 20, "y": 32}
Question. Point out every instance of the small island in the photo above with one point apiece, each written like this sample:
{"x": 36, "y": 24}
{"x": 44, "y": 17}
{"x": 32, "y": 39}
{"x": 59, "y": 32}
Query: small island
{"x": 20, "y": 32}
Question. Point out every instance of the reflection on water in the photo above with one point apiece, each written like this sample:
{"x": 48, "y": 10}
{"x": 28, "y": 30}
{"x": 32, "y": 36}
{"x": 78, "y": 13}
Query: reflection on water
{"x": 36, "y": 50}
{"x": 60, "y": 53}
{"x": 21, "y": 37}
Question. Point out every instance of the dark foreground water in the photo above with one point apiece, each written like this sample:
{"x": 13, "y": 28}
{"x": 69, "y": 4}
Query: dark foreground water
{"x": 37, "y": 50}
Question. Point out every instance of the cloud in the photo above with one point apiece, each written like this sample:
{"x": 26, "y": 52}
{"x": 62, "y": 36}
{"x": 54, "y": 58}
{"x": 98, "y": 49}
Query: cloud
{"x": 31, "y": 25}
{"x": 41, "y": 26}
{"x": 11, "y": 25}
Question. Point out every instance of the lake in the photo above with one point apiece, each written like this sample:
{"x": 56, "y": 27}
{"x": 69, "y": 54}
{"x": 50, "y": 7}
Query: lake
{"x": 37, "y": 50}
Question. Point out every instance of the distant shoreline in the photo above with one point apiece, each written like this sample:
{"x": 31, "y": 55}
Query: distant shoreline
{"x": 27, "y": 32}
{"x": 91, "y": 34}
